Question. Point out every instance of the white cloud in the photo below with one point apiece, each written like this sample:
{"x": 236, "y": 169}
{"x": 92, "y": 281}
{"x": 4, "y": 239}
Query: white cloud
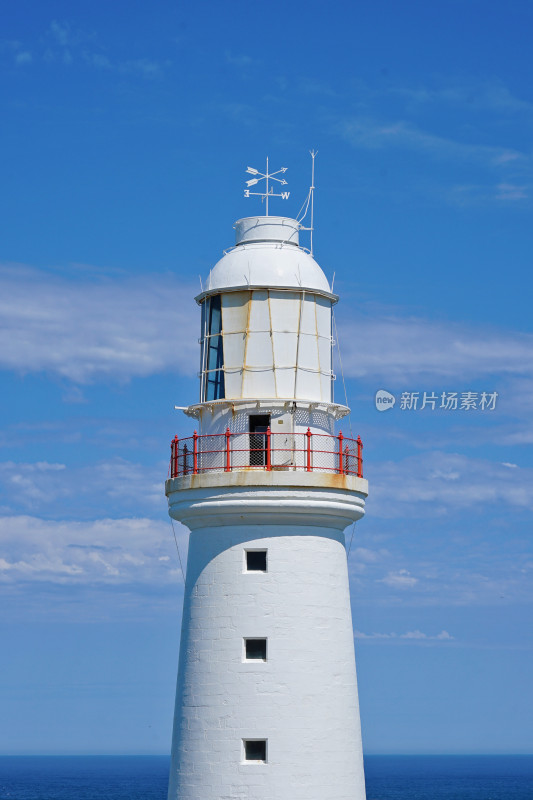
{"x": 87, "y": 328}
{"x": 15, "y": 48}
{"x": 108, "y": 551}
{"x": 368, "y": 133}
{"x": 488, "y": 95}
{"x": 416, "y": 635}
{"x": 61, "y": 32}
{"x": 510, "y": 191}
{"x": 368, "y": 556}
{"x": 98, "y": 60}
{"x": 239, "y": 60}
{"x": 402, "y": 579}
{"x": 362, "y": 559}
{"x": 402, "y": 348}
{"x": 145, "y": 67}
{"x": 65, "y": 42}
{"x": 506, "y": 156}
{"x": 25, "y": 57}
{"x": 31, "y": 481}
{"x": 436, "y": 483}
{"x": 121, "y": 484}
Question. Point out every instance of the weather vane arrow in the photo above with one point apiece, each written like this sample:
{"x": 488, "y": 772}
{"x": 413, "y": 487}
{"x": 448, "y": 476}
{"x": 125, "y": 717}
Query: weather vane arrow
{"x": 267, "y": 177}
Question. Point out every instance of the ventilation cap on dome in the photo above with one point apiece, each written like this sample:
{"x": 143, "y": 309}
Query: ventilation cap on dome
{"x": 267, "y": 229}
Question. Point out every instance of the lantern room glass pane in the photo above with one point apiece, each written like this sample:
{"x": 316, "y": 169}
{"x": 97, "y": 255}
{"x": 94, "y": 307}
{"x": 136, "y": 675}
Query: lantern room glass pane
{"x": 213, "y": 350}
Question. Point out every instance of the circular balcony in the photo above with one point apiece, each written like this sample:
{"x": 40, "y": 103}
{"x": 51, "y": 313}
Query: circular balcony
{"x": 282, "y": 452}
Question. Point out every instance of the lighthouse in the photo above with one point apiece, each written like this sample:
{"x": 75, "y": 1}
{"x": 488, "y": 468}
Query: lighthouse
{"x": 266, "y": 701}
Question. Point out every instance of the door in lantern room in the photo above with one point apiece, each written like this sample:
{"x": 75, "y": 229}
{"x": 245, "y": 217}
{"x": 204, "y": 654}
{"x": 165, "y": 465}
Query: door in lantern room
{"x": 259, "y": 424}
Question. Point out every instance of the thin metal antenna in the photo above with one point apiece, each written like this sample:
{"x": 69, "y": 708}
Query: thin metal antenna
{"x": 314, "y": 154}
{"x": 269, "y": 190}
{"x": 267, "y": 177}
{"x": 309, "y": 202}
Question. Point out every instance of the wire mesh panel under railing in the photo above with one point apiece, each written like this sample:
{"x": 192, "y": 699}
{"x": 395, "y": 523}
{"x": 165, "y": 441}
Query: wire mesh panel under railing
{"x": 224, "y": 452}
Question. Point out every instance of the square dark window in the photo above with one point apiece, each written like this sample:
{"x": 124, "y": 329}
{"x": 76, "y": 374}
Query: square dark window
{"x": 255, "y": 749}
{"x": 255, "y": 649}
{"x": 256, "y": 560}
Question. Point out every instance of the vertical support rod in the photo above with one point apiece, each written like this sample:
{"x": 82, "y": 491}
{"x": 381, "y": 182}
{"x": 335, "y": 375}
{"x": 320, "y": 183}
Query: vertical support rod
{"x": 174, "y": 449}
{"x": 347, "y": 460}
{"x": 185, "y": 454}
{"x": 228, "y": 451}
{"x": 267, "y": 176}
{"x": 195, "y": 453}
{"x": 359, "y": 457}
{"x": 313, "y": 156}
{"x": 341, "y": 464}
{"x": 268, "y": 458}
{"x": 308, "y": 462}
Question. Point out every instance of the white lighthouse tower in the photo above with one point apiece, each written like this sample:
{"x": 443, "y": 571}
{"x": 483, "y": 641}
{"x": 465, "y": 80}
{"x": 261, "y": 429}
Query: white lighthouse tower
{"x": 266, "y": 701}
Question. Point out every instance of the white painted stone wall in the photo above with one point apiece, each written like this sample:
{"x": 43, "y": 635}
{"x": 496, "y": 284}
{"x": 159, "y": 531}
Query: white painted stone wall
{"x": 303, "y": 699}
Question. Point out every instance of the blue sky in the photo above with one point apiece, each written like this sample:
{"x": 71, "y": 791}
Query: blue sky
{"x": 126, "y": 130}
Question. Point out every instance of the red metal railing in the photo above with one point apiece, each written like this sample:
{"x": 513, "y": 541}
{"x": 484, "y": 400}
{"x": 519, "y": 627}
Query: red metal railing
{"x": 223, "y": 452}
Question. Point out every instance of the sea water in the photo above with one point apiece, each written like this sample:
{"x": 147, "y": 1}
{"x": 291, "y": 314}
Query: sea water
{"x": 146, "y": 777}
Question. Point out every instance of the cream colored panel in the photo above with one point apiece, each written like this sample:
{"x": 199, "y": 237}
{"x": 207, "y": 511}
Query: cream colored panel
{"x": 232, "y": 385}
{"x": 259, "y": 313}
{"x": 235, "y": 311}
{"x": 285, "y": 310}
{"x": 308, "y": 385}
{"x": 285, "y": 383}
{"x": 285, "y": 349}
{"x": 323, "y": 316}
{"x": 324, "y": 354}
{"x": 234, "y": 349}
{"x": 259, "y": 350}
{"x": 308, "y": 320}
{"x": 258, "y": 384}
{"x": 325, "y": 383}
{"x": 308, "y": 352}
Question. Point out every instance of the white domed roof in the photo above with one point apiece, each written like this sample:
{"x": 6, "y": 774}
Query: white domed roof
{"x": 267, "y": 255}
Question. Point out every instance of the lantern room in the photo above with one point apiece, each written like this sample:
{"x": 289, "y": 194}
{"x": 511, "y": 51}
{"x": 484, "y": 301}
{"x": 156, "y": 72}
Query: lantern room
{"x": 266, "y": 323}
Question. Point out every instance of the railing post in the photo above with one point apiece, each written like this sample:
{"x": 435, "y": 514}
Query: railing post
{"x": 195, "y": 453}
{"x": 228, "y": 451}
{"x": 359, "y": 457}
{"x": 174, "y": 450}
{"x": 308, "y": 464}
{"x": 268, "y": 458}
{"x": 341, "y": 465}
{"x": 185, "y": 454}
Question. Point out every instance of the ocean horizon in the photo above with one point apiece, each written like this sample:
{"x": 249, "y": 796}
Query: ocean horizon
{"x": 388, "y": 777}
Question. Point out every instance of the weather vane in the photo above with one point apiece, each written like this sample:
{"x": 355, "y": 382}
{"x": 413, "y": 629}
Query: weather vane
{"x": 266, "y": 176}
